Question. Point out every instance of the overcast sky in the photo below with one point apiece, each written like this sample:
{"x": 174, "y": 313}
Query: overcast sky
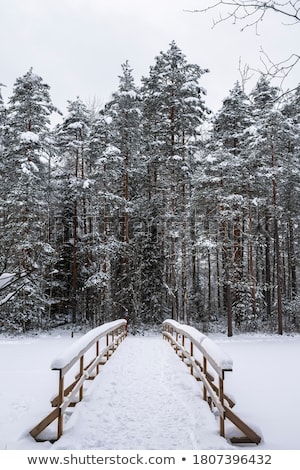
{"x": 78, "y": 46}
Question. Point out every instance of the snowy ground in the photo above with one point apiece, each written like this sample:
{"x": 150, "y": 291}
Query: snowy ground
{"x": 144, "y": 398}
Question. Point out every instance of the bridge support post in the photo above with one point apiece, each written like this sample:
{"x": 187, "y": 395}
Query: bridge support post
{"x": 60, "y": 417}
{"x": 204, "y": 372}
{"x": 107, "y": 343}
{"x": 221, "y": 397}
{"x": 192, "y": 353}
{"x": 81, "y": 371}
{"x": 97, "y": 354}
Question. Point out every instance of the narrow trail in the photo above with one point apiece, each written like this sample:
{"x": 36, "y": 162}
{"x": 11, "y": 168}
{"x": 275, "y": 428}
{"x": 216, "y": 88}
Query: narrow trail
{"x": 143, "y": 398}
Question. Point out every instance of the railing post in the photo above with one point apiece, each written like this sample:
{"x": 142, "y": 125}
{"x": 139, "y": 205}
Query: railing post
{"x": 204, "y": 372}
{"x": 97, "y": 354}
{"x": 192, "y": 354}
{"x": 107, "y": 343}
{"x": 59, "y": 402}
{"x": 182, "y": 342}
{"x": 81, "y": 371}
{"x": 221, "y": 397}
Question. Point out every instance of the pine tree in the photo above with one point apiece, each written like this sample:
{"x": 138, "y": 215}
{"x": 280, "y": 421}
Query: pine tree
{"x": 231, "y": 127}
{"x": 222, "y": 191}
{"x": 173, "y": 109}
{"x": 125, "y": 116}
{"x": 274, "y": 149}
{"x": 2, "y": 119}
{"x": 25, "y": 183}
{"x": 291, "y": 114}
{"x": 72, "y": 139}
{"x": 2, "y": 192}
{"x": 290, "y": 202}
{"x": 96, "y": 286}
{"x": 105, "y": 245}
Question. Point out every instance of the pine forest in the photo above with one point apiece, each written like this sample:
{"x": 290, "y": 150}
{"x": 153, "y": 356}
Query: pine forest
{"x": 152, "y": 206}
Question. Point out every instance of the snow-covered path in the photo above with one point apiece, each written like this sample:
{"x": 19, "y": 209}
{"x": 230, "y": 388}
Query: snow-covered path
{"x": 144, "y": 398}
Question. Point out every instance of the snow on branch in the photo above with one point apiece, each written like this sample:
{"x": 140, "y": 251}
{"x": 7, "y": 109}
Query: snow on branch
{"x": 7, "y": 279}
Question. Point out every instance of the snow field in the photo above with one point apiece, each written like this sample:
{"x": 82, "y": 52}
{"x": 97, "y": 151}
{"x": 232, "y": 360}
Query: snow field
{"x": 264, "y": 383}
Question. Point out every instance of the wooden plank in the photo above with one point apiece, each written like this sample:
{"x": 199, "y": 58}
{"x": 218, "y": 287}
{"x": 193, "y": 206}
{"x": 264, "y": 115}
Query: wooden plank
{"x": 230, "y": 402}
{"x": 241, "y": 440}
{"x": 240, "y": 424}
{"x": 44, "y": 423}
{"x": 208, "y": 375}
{"x": 55, "y": 401}
{"x": 70, "y": 398}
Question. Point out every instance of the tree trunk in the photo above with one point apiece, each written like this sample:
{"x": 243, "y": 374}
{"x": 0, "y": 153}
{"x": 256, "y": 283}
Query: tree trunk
{"x": 268, "y": 297}
{"x": 226, "y": 269}
{"x": 277, "y": 252}
{"x": 250, "y": 260}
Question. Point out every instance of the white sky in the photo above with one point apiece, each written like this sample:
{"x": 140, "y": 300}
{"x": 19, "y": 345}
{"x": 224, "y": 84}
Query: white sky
{"x": 78, "y": 46}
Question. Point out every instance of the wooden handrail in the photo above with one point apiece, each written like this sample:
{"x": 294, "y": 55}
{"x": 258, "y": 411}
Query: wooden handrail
{"x": 201, "y": 353}
{"x": 111, "y": 334}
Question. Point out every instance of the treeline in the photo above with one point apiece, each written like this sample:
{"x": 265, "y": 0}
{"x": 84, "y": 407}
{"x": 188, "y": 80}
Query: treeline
{"x": 151, "y": 205}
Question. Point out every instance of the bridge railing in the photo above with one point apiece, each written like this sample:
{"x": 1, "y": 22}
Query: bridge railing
{"x": 78, "y": 363}
{"x": 208, "y": 364}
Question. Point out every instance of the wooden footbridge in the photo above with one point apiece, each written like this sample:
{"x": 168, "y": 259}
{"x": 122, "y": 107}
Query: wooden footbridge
{"x": 86, "y": 357}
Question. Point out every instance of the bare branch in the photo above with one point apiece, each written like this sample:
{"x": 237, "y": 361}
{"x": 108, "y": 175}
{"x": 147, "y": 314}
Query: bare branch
{"x": 244, "y": 73}
{"x": 279, "y": 70}
{"x": 252, "y": 12}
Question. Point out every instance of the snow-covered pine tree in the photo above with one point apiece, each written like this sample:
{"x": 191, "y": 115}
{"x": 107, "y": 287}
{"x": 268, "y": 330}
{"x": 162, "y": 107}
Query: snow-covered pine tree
{"x": 2, "y": 119}
{"x": 2, "y": 190}
{"x": 291, "y": 188}
{"x": 104, "y": 246}
{"x": 173, "y": 109}
{"x": 220, "y": 195}
{"x": 275, "y": 155}
{"x": 125, "y": 117}
{"x": 25, "y": 235}
{"x": 72, "y": 139}
{"x": 231, "y": 131}
{"x": 290, "y": 197}
{"x": 97, "y": 283}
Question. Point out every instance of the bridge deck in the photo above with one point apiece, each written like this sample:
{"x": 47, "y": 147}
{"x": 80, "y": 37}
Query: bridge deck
{"x": 143, "y": 398}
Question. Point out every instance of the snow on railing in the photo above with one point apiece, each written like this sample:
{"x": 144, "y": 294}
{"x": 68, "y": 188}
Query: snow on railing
{"x": 218, "y": 359}
{"x": 206, "y": 360}
{"x": 86, "y": 354}
{"x": 67, "y": 359}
